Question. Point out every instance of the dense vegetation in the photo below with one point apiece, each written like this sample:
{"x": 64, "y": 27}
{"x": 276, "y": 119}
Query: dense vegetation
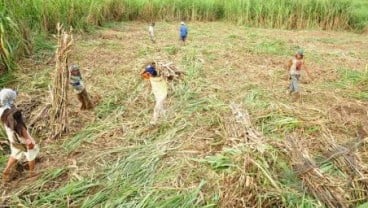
{"x": 20, "y": 19}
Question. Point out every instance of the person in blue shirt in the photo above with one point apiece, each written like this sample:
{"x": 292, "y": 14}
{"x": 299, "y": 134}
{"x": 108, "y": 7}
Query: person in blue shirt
{"x": 183, "y": 32}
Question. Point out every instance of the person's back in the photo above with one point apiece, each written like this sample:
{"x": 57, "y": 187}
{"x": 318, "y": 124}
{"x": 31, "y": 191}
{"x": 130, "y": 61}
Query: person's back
{"x": 183, "y": 32}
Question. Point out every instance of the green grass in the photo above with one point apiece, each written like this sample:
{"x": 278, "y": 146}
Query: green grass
{"x": 349, "y": 80}
{"x": 6, "y": 79}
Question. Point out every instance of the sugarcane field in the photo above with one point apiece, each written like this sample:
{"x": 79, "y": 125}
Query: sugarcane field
{"x": 184, "y": 104}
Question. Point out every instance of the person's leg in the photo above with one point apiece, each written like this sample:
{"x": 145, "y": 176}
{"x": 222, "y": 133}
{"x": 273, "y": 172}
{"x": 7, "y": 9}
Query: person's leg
{"x": 11, "y": 162}
{"x": 182, "y": 40}
{"x": 80, "y": 99}
{"x": 158, "y": 110}
{"x": 31, "y": 165}
{"x": 31, "y": 158}
{"x": 161, "y": 108}
{"x": 156, "y": 113}
{"x": 153, "y": 39}
{"x": 292, "y": 84}
{"x": 296, "y": 93}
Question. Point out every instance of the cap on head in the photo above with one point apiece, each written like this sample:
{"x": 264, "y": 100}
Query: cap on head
{"x": 182, "y": 23}
{"x": 7, "y": 97}
{"x": 73, "y": 67}
{"x": 300, "y": 52}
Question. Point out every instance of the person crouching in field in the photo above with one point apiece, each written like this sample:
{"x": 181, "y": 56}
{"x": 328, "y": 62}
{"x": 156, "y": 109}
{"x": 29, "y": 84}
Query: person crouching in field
{"x": 76, "y": 81}
{"x": 21, "y": 142}
{"x": 183, "y": 32}
{"x": 295, "y": 65}
{"x": 151, "y": 32}
{"x": 159, "y": 90}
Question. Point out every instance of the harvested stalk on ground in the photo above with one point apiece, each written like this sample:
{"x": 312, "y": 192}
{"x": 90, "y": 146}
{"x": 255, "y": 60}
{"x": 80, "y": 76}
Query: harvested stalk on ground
{"x": 325, "y": 188}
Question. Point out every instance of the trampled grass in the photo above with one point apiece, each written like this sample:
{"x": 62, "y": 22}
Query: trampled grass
{"x": 197, "y": 156}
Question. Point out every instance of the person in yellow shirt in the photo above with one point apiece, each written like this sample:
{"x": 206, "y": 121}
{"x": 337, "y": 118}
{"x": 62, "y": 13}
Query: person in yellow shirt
{"x": 159, "y": 90}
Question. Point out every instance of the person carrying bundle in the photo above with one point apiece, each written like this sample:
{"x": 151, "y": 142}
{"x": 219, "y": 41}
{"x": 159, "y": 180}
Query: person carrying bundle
{"x": 21, "y": 142}
{"x": 159, "y": 90}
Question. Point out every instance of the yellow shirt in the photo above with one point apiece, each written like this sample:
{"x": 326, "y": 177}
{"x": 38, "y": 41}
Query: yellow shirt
{"x": 159, "y": 88}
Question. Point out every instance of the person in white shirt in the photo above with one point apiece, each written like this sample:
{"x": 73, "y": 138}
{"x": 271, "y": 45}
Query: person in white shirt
{"x": 151, "y": 32}
{"x": 21, "y": 142}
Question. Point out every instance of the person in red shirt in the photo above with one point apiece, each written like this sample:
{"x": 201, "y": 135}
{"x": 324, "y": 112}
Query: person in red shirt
{"x": 295, "y": 66}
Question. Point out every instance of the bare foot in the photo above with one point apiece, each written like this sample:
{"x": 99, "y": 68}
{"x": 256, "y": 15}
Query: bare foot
{"x": 6, "y": 177}
{"x": 32, "y": 175}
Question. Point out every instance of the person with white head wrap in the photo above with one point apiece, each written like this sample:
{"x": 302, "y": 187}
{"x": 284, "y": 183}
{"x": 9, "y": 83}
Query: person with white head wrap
{"x": 183, "y": 32}
{"x": 21, "y": 142}
{"x": 7, "y": 97}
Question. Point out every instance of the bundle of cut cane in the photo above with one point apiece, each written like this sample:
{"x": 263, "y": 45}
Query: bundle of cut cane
{"x": 321, "y": 186}
{"x": 240, "y": 126}
{"x": 245, "y": 184}
{"x": 59, "y": 95}
{"x": 169, "y": 71}
{"x": 347, "y": 158}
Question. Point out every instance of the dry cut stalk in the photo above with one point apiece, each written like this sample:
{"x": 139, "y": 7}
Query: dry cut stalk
{"x": 59, "y": 102}
{"x": 243, "y": 128}
{"x": 169, "y": 71}
{"x": 321, "y": 186}
{"x": 347, "y": 159}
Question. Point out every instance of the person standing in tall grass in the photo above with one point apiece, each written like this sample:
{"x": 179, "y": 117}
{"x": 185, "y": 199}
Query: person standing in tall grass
{"x": 151, "y": 32}
{"x": 183, "y": 32}
{"x": 295, "y": 65}
{"x": 21, "y": 142}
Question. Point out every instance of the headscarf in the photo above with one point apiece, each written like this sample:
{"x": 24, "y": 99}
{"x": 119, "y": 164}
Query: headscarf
{"x": 7, "y": 97}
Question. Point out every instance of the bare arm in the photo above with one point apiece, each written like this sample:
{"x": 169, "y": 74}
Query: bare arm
{"x": 307, "y": 70}
{"x": 287, "y": 68}
{"x": 28, "y": 138}
{"x": 288, "y": 65}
